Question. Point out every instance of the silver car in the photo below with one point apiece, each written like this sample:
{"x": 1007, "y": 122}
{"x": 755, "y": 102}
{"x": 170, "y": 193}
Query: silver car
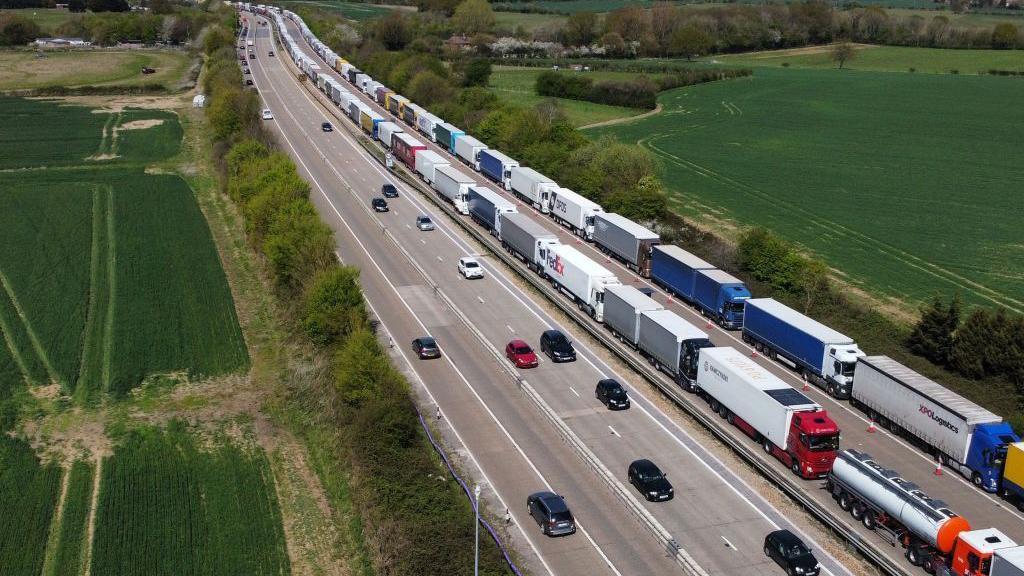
{"x": 424, "y": 223}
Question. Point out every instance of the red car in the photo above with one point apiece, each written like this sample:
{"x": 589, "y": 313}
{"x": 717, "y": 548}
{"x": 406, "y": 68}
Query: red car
{"x": 521, "y": 354}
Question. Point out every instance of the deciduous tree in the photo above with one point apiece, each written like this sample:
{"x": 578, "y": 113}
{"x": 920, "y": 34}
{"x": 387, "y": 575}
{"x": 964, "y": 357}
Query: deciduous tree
{"x": 473, "y": 16}
{"x": 841, "y": 53}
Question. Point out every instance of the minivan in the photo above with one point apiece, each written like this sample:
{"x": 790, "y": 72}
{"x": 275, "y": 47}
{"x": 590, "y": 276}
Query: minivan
{"x": 551, "y": 513}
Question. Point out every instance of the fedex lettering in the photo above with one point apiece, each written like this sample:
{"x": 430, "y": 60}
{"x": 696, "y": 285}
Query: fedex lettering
{"x": 939, "y": 419}
{"x": 556, "y": 264}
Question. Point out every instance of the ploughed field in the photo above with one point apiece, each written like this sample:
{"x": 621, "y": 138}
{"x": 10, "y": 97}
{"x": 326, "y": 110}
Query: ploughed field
{"x": 906, "y": 184}
{"x": 108, "y": 272}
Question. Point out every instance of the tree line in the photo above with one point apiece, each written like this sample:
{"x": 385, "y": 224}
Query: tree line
{"x": 641, "y": 92}
{"x": 361, "y": 425}
{"x": 107, "y": 28}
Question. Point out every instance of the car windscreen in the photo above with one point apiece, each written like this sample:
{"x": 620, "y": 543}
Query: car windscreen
{"x": 796, "y": 551}
{"x": 472, "y": 265}
{"x": 523, "y": 350}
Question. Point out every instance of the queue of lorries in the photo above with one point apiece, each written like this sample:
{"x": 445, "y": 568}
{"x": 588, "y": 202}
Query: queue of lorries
{"x": 789, "y": 425}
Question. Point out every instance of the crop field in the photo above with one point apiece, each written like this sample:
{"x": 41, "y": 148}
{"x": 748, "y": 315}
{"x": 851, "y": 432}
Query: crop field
{"x": 22, "y": 69}
{"x": 48, "y": 19}
{"x": 515, "y": 85}
{"x": 108, "y": 273}
{"x": 881, "y": 174}
{"x": 168, "y": 507}
{"x": 72, "y": 536}
{"x": 29, "y": 491}
{"x": 357, "y": 11}
{"x": 571, "y": 6}
{"x": 884, "y": 59}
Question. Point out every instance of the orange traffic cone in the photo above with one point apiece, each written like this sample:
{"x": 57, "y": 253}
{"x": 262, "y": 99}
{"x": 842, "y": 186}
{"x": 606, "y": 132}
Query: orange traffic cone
{"x": 938, "y": 468}
{"x": 710, "y": 325}
{"x": 806, "y": 386}
{"x": 871, "y": 426}
{"x": 753, "y": 352}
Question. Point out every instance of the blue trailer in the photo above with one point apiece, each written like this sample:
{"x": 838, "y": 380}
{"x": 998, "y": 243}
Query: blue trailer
{"x": 445, "y": 135}
{"x": 721, "y": 296}
{"x": 486, "y": 206}
{"x": 821, "y": 355}
{"x": 497, "y": 167}
{"x": 675, "y": 270}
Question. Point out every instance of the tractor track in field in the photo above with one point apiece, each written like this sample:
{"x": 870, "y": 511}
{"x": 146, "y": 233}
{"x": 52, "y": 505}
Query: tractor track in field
{"x": 33, "y": 338}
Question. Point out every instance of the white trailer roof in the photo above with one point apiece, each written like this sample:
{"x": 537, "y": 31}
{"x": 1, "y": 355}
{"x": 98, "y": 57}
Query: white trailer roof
{"x": 503, "y": 158}
{"x": 799, "y": 321}
{"x": 471, "y": 141}
{"x": 582, "y": 261}
{"x": 721, "y": 276}
{"x": 1015, "y": 556}
{"x": 635, "y": 298}
{"x": 634, "y": 229}
{"x": 949, "y": 400}
{"x": 676, "y": 325}
{"x": 759, "y": 377}
{"x": 685, "y": 257}
{"x": 577, "y": 199}
{"x": 432, "y": 157}
{"x": 533, "y": 174}
{"x": 455, "y": 175}
{"x": 450, "y": 128}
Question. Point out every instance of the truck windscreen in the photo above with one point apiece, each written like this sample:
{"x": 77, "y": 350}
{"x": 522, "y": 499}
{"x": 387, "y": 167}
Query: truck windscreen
{"x": 826, "y": 443}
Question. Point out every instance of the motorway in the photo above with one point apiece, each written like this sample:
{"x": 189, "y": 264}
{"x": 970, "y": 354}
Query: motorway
{"x": 983, "y": 510}
{"x": 715, "y": 516}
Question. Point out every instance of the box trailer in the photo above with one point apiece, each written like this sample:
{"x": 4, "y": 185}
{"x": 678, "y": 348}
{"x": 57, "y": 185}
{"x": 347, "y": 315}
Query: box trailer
{"x": 622, "y": 308}
{"x": 675, "y": 270}
{"x": 1012, "y": 485}
{"x": 386, "y": 130}
{"x": 1008, "y": 562}
{"x": 821, "y": 355}
{"x": 533, "y": 187}
{"x": 960, "y": 433}
{"x": 351, "y": 75}
{"x": 445, "y": 135}
{"x": 395, "y": 102}
{"x": 410, "y": 113}
{"x": 453, "y": 186}
{"x": 574, "y": 212}
{"x": 426, "y": 162}
{"x": 526, "y": 239}
{"x": 486, "y": 207}
{"x": 626, "y": 241}
{"x": 578, "y": 277}
{"x": 789, "y": 425}
{"x": 671, "y": 344}
{"x": 361, "y": 80}
{"x": 426, "y": 123}
{"x": 468, "y": 150}
{"x": 354, "y": 108}
{"x": 721, "y": 297}
{"x": 497, "y": 167}
{"x": 369, "y": 120}
{"x": 406, "y": 147}
{"x": 381, "y": 96}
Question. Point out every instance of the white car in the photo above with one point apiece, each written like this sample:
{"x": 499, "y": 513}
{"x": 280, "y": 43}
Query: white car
{"x": 267, "y": 114}
{"x": 470, "y": 268}
{"x": 424, "y": 223}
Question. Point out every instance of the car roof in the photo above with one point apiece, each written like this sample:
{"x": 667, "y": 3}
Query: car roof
{"x": 645, "y": 465}
{"x": 554, "y": 502}
{"x": 609, "y": 382}
{"x": 388, "y": 185}
{"x": 518, "y": 342}
{"x": 786, "y": 537}
{"x": 426, "y": 340}
{"x": 553, "y": 333}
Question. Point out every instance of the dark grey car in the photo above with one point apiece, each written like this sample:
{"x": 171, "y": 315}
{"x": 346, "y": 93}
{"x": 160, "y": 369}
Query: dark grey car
{"x": 551, "y": 513}
{"x": 557, "y": 346}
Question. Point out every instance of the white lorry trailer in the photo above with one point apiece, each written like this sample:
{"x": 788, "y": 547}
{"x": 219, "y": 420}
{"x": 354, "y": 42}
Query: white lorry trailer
{"x": 574, "y": 212}
{"x": 468, "y": 150}
{"x": 453, "y": 186}
{"x": 427, "y": 161}
{"x": 579, "y": 278}
{"x": 533, "y": 187}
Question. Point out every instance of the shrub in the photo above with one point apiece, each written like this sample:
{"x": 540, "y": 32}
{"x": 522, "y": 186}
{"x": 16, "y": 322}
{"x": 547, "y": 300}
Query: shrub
{"x": 333, "y": 306}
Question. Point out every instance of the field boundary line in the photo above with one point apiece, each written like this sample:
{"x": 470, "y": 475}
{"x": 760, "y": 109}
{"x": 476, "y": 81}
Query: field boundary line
{"x": 36, "y": 345}
{"x": 108, "y": 329}
{"x": 613, "y": 121}
{"x": 53, "y": 540}
{"x": 95, "y": 264}
{"x": 103, "y": 136}
{"x": 898, "y": 254}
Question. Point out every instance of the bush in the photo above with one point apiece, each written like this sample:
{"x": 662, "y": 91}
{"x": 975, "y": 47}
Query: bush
{"x": 638, "y": 93}
{"x": 297, "y": 246}
{"x": 333, "y": 306}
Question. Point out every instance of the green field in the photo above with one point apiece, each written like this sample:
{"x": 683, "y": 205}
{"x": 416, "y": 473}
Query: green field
{"x": 47, "y": 19}
{"x": 29, "y": 491}
{"x": 907, "y": 184}
{"x": 571, "y": 6}
{"x": 515, "y": 85}
{"x": 71, "y": 542}
{"x": 352, "y": 10}
{"x": 108, "y": 273}
{"x": 168, "y": 506}
{"x": 884, "y": 59}
{"x": 24, "y": 70}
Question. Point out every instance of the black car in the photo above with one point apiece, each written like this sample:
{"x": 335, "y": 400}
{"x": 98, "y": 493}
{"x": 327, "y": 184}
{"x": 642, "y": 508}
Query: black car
{"x": 551, "y": 513}
{"x": 246, "y": 71}
{"x": 426, "y": 347}
{"x": 612, "y": 394}
{"x": 557, "y": 346}
{"x": 790, "y": 552}
{"x": 650, "y": 481}
{"x": 389, "y": 191}
{"x": 271, "y": 53}
{"x": 248, "y": 81}
{"x": 326, "y": 127}
{"x": 379, "y": 204}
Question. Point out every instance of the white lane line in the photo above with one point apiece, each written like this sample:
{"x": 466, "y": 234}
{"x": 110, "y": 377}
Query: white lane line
{"x": 573, "y": 390}
{"x": 439, "y": 259}
{"x": 481, "y": 300}
{"x": 506, "y": 284}
{"x": 510, "y": 329}
{"x": 340, "y": 259}
{"x": 451, "y": 363}
{"x": 408, "y": 226}
{"x": 728, "y": 544}
{"x": 422, "y": 241}
{"x": 613, "y": 431}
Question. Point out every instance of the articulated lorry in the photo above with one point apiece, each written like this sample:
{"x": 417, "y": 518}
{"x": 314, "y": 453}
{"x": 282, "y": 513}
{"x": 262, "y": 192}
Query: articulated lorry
{"x": 445, "y": 135}
{"x": 622, "y": 308}
{"x": 385, "y": 130}
{"x": 468, "y": 150}
{"x": 1011, "y": 486}
{"x": 961, "y": 434}
{"x": 672, "y": 344}
{"x": 721, "y": 297}
{"x": 427, "y": 161}
{"x": 453, "y": 186}
{"x": 486, "y": 208}
{"x": 406, "y": 147}
{"x": 787, "y": 424}
{"x": 533, "y": 187}
{"x": 526, "y": 239}
{"x": 933, "y": 537}
{"x": 626, "y": 241}
{"x": 818, "y": 353}
{"x": 497, "y": 167}
{"x": 578, "y": 277}
{"x": 574, "y": 212}
{"x": 675, "y": 270}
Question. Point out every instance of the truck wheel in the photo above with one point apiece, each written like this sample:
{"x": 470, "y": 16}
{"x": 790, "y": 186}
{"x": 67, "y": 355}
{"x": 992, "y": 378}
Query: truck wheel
{"x": 869, "y": 520}
{"x": 976, "y": 479}
{"x": 723, "y": 411}
{"x": 766, "y": 444}
{"x": 857, "y": 511}
{"x": 928, "y": 564}
{"x": 913, "y": 555}
{"x": 715, "y": 405}
{"x": 845, "y": 501}
{"x": 795, "y": 467}
{"x": 730, "y": 419}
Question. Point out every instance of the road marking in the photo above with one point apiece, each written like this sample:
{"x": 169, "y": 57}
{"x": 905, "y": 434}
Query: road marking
{"x": 728, "y": 544}
{"x": 614, "y": 432}
{"x": 422, "y": 241}
{"x": 510, "y": 329}
{"x": 573, "y": 390}
{"x": 408, "y": 226}
{"x": 481, "y": 300}
{"x": 439, "y": 259}
{"x": 340, "y": 259}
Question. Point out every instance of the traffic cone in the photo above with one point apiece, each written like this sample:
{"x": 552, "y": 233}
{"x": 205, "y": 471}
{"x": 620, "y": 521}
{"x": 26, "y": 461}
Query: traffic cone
{"x": 710, "y": 325}
{"x": 871, "y": 426}
{"x": 938, "y": 468}
{"x": 806, "y": 386}
{"x": 753, "y": 352}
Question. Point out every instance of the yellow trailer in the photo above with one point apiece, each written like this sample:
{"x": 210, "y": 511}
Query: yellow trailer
{"x": 1013, "y": 474}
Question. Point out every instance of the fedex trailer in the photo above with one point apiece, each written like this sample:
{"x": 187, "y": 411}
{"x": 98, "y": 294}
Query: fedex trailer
{"x": 578, "y": 277}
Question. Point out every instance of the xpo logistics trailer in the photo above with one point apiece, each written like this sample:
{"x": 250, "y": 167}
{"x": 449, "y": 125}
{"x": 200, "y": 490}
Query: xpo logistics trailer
{"x": 963, "y": 435}
{"x": 675, "y": 270}
{"x": 486, "y": 207}
{"x": 626, "y": 240}
{"x": 788, "y": 424}
{"x": 821, "y": 355}
{"x": 578, "y": 277}
{"x": 574, "y": 212}
{"x": 671, "y": 344}
{"x": 497, "y": 167}
{"x": 453, "y": 186}
{"x": 721, "y": 297}
{"x": 933, "y": 536}
{"x": 524, "y": 238}
{"x": 622, "y": 308}
{"x": 533, "y": 187}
